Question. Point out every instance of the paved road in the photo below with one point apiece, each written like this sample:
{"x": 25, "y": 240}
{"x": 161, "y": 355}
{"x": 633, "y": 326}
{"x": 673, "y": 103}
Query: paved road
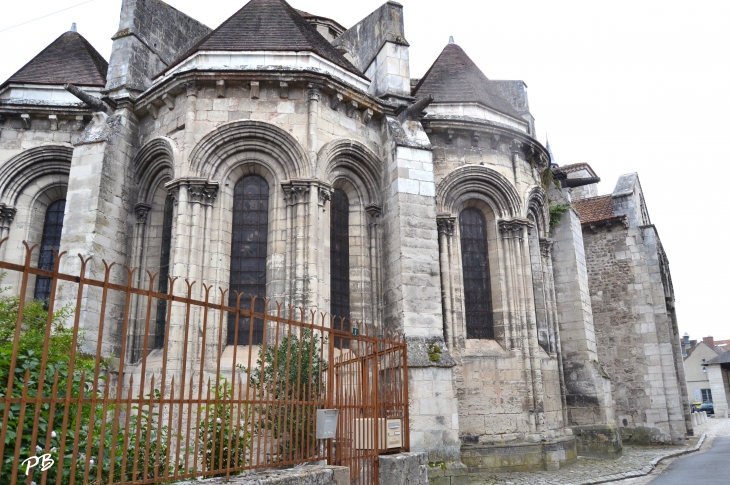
{"x": 709, "y": 468}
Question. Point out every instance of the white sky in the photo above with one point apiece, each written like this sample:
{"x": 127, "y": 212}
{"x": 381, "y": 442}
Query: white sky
{"x": 625, "y": 85}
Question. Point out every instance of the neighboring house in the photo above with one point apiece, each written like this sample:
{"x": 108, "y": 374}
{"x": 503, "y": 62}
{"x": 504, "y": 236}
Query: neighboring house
{"x": 698, "y": 382}
{"x": 718, "y": 373}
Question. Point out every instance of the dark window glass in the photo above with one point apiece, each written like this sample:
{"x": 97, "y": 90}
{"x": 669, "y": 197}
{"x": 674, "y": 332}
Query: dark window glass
{"x": 248, "y": 255}
{"x": 163, "y": 282}
{"x": 706, "y": 395}
{"x": 477, "y": 292}
{"x": 52, "y": 227}
{"x": 340, "y": 262}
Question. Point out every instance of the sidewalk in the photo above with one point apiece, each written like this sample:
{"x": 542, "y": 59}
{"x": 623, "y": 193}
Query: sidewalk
{"x": 636, "y": 461}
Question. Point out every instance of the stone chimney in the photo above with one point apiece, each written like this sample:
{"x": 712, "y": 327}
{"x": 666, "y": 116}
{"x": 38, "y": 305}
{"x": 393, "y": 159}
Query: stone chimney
{"x": 709, "y": 341}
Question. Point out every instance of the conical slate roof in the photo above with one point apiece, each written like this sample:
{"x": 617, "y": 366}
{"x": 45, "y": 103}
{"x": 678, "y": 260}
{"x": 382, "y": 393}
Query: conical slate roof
{"x": 454, "y": 78}
{"x": 69, "y": 59}
{"x": 269, "y": 25}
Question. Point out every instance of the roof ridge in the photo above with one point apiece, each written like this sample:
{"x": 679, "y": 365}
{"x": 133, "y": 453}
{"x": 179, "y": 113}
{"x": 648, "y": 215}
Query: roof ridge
{"x": 67, "y": 65}
{"x": 455, "y": 77}
{"x": 238, "y": 33}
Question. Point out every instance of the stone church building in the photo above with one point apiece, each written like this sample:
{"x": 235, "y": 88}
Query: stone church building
{"x": 286, "y": 156}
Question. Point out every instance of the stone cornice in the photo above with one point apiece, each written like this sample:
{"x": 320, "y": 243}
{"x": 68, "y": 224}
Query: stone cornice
{"x": 607, "y": 224}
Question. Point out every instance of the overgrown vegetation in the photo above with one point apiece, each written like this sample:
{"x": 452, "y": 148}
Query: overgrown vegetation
{"x": 547, "y": 178}
{"x": 556, "y": 213}
{"x": 292, "y": 372}
{"x": 136, "y": 451}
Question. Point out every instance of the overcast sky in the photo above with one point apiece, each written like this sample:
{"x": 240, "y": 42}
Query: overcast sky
{"x": 626, "y": 86}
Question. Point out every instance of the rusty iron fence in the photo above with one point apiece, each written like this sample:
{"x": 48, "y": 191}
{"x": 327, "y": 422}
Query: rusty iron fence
{"x": 112, "y": 383}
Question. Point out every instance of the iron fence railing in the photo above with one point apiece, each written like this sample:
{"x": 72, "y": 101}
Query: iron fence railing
{"x": 93, "y": 395}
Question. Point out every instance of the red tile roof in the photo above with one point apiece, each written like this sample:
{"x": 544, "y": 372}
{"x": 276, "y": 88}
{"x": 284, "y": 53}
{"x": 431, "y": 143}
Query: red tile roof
{"x": 594, "y": 209}
{"x": 69, "y": 59}
{"x": 455, "y": 78}
{"x": 269, "y": 25}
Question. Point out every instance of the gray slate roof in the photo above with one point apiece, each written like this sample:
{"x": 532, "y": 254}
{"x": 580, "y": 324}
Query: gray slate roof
{"x": 269, "y": 25}
{"x": 455, "y": 78}
{"x": 723, "y": 358}
{"x": 68, "y": 59}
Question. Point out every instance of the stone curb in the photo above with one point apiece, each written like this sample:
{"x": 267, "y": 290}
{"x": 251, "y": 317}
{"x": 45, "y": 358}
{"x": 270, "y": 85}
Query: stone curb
{"x": 647, "y": 469}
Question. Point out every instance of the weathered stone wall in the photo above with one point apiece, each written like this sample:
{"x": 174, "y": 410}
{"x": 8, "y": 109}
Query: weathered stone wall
{"x": 152, "y": 35}
{"x": 633, "y": 330}
{"x": 305, "y": 475}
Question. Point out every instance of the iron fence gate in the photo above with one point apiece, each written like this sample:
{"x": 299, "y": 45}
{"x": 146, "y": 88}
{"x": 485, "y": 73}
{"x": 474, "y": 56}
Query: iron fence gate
{"x": 95, "y": 394}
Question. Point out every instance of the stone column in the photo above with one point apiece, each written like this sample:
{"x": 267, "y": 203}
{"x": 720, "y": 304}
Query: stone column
{"x": 7, "y": 215}
{"x": 136, "y": 325}
{"x": 546, "y": 247}
{"x": 445, "y": 226}
{"x": 514, "y": 238}
{"x": 297, "y": 197}
{"x": 313, "y": 115}
{"x": 376, "y": 303}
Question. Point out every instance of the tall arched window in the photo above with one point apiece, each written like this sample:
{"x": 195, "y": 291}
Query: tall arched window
{"x": 340, "y": 260}
{"x": 475, "y": 267}
{"x": 163, "y": 282}
{"x": 52, "y": 227}
{"x": 248, "y": 254}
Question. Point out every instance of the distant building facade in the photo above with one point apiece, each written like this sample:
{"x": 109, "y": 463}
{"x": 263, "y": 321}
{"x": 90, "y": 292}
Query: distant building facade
{"x": 286, "y": 156}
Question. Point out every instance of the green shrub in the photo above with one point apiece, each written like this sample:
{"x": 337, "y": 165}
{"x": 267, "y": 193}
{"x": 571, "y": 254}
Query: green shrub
{"x": 298, "y": 378}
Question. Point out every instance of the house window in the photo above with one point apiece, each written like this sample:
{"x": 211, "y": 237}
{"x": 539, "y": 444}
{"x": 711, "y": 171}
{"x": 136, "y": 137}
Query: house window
{"x": 706, "y": 395}
{"x": 52, "y": 227}
{"x": 163, "y": 282}
{"x": 340, "y": 262}
{"x": 248, "y": 255}
{"x": 475, "y": 266}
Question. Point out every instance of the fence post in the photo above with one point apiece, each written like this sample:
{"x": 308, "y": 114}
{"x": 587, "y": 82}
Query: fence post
{"x": 330, "y": 382}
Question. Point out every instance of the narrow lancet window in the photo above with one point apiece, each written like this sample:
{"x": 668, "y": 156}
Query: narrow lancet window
{"x": 248, "y": 255}
{"x": 163, "y": 281}
{"x": 51, "y": 239}
{"x": 340, "y": 261}
{"x": 475, "y": 265}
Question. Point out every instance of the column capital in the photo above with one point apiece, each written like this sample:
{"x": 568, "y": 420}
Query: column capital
{"x": 314, "y": 91}
{"x": 374, "y": 210}
{"x": 445, "y": 224}
{"x": 296, "y": 190}
{"x": 514, "y": 228}
{"x": 546, "y": 246}
{"x": 7, "y": 215}
{"x": 141, "y": 211}
{"x": 200, "y": 190}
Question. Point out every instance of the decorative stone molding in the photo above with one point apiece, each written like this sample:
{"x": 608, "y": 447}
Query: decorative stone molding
{"x": 336, "y": 101}
{"x": 352, "y": 107}
{"x": 54, "y": 122}
{"x": 367, "y": 115}
{"x": 374, "y": 210}
{"x": 169, "y": 101}
{"x": 608, "y": 224}
{"x": 254, "y": 90}
{"x": 546, "y": 247}
{"x": 25, "y": 118}
{"x": 296, "y": 191}
{"x": 446, "y": 224}
{"x": 475, "y": 139}
{"x": 494, "y": 142}
{"x": 7, "y": 214}
{"x": 191, "y": 88}
{"x": 200, "y": 191}
{"x": 284, "y": 90}
{"x": 325, "y": 195}
{"x": 514, "y": 228}
{"x": 315, "y": 91}
{"x": 141, "y": 211}
{"x": 220, "y": 88}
